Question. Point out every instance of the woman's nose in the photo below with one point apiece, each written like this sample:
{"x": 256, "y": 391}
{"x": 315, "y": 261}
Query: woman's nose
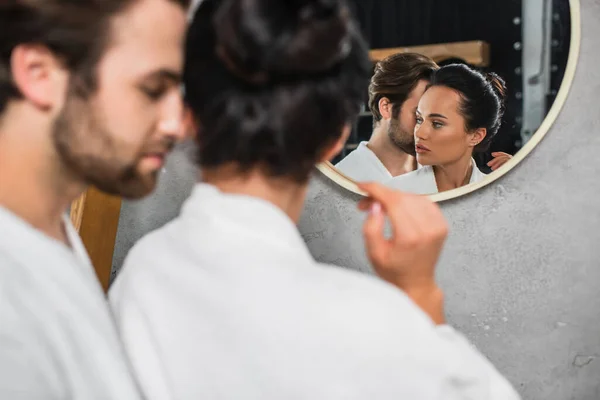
{"x": 421, "y": 132}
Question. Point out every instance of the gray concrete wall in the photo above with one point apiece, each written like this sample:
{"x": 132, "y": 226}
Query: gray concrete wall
{"x": 521, "y": 268}
{"x": 140, "y": 217}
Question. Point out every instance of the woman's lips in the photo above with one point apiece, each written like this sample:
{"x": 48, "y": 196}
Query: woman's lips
{"x": 420, "y": 149}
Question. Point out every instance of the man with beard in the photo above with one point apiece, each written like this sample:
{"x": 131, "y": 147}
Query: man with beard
{"x": 396, "y": 87}
{"x": 89, "y": 95}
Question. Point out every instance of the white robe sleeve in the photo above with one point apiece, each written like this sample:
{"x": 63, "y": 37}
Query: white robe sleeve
{"x": 475, "y": 378}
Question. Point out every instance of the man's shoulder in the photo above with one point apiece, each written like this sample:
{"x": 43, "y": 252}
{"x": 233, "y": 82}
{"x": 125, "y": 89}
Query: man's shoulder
{"x": 350, "y": 160}
{"x": 19, "y": 304}
{"x": 15, "y": 279}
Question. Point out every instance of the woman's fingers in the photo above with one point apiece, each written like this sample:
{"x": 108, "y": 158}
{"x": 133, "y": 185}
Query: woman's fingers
{"x": 407, "y": 259}
{"x": 394, "y": 206}
{"x": 365, "y": 204}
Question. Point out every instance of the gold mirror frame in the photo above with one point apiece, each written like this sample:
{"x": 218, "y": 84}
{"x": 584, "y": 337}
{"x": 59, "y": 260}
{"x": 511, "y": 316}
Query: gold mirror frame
{"x": 332, "y": 173}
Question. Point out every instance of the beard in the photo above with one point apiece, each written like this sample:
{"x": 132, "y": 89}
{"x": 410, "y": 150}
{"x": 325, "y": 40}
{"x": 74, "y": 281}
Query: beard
{"x": 405, "y": 141}
{"x": 89, "y": 152}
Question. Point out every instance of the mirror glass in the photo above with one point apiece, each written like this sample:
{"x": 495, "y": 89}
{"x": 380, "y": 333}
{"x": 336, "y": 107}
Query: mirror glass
{"x": 427, "y": 132}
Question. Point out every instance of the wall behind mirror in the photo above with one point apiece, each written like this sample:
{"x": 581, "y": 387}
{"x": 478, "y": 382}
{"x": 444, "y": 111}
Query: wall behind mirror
{"x": 525, "y": 42}
{"x": 520, "y": 269}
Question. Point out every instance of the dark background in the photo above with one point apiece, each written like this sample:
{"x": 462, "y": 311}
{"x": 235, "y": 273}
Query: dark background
{"x": 399, "y": 23}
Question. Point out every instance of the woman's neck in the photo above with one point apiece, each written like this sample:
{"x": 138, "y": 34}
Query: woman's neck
{"x": 454, "y": 175}
{"x": 284, "y": 193}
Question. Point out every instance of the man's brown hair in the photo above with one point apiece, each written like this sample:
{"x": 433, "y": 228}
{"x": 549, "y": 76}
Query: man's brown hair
{"x": 395, "y": 78}
{"x": 76, "y": 31}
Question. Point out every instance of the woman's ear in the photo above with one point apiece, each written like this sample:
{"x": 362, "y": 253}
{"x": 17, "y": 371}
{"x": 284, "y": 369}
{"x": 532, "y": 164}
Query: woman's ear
{"x": 477, "y": 137}
{"x": 336, "y": 147}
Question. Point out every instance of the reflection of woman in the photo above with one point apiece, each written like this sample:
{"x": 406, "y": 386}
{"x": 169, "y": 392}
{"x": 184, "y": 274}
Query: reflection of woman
{"x": 459, "y": 114}
{"x": 226, "y": 302}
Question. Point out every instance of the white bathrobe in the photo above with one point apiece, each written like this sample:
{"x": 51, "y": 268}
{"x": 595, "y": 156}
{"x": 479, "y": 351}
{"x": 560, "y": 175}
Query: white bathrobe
{"x": 362, "y": 165}
{"x": 226, "y": 302}
{"x": 422, "y": 181}
{"x": 58, "y": 340}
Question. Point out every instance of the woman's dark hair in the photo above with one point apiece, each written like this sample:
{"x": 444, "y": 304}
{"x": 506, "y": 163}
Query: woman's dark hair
{"x": 482, "y": 98}
{"x": 273, "y": 82}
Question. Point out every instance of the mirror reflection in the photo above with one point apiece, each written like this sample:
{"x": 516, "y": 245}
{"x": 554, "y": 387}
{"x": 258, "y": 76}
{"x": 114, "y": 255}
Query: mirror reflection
{"x": 461, "y": 97}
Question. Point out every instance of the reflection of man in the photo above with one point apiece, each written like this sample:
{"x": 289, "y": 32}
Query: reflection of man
{"x": 397, "y": 85}
{"x": 89, "y": 94}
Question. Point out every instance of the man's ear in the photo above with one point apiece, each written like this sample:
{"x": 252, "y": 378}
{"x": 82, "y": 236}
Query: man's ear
{"x": 385, "y": 108}
{"x": 38, "y": 76}
{"x": 336, "y": 147}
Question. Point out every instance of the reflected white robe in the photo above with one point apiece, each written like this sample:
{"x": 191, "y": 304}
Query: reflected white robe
{"x": 362, "y": 165}
{"x": 57, "y": 337}
{"x": 422, "y": 181}
{"x": 226, "y": 302}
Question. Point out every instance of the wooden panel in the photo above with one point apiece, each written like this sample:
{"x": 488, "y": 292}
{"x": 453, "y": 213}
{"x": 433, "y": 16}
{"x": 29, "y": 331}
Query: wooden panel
{"x": 77, "y": 208}
{"x": 95, "y": 215}
{"x": 476, "y": 53}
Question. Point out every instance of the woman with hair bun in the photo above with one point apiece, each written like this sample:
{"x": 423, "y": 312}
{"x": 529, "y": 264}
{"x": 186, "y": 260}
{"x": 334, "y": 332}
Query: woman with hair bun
{"x": 226, "y": 301}
{"x": 459, "y": 114}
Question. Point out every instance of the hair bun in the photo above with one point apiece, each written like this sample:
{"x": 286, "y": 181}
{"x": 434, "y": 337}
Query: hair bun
{"x": 499, "y": 86}
{"x": 258, "y": 38}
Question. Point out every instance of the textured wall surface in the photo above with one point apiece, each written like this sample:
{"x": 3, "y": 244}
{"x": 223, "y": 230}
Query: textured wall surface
{"x": 140, "y": 217}
{"x": 521, "y": 268}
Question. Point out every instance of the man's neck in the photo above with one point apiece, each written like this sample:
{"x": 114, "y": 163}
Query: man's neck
{"x": 33, "y": 185}
{"x": 455, "y": 175}
{"x": 396, "y": 161}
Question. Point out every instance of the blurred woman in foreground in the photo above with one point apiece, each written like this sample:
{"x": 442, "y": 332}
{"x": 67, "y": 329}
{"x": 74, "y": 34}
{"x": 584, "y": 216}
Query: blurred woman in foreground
{"x": 226, "y": 301}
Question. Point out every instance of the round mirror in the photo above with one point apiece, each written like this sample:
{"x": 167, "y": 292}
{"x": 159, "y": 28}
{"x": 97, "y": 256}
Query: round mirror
{"x": 461, "y": 91}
